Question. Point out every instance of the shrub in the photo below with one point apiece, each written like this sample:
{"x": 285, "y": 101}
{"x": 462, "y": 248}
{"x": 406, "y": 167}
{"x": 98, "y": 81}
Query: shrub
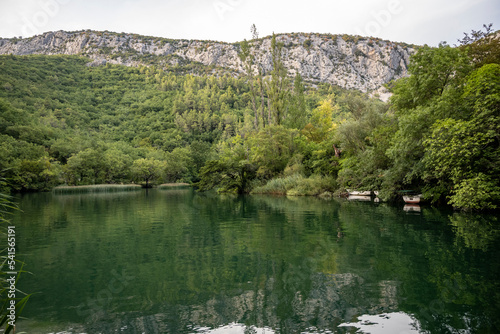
{"x": 167, "y": 186}
{"x": 298, "y": 185}
{"x": 476, "y": 193}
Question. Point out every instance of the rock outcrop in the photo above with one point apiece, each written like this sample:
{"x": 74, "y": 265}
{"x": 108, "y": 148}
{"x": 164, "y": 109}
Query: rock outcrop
{"x": 352, "y": 62}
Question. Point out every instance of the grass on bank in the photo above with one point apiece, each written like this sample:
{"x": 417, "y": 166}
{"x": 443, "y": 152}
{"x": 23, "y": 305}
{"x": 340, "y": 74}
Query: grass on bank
{"x": 166, "y": 186}
{"x": 97, "y": 188}
{"x": 298, "y": 185}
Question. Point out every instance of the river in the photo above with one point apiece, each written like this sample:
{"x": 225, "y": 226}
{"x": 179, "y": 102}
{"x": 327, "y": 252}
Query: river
{"x": 177, "y": 261}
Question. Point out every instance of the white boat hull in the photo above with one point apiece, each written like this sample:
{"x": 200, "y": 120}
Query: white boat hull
{"x": 412, "y": 199}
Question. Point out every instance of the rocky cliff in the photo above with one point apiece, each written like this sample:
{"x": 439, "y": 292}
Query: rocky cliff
{"x": 351, "y": 62}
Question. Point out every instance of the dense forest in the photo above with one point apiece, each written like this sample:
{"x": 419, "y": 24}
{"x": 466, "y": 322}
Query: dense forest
{"x": 65, "y": 122}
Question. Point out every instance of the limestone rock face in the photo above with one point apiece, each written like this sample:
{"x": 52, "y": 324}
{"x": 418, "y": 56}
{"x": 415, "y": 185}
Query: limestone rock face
{"x": 352, "y": 62}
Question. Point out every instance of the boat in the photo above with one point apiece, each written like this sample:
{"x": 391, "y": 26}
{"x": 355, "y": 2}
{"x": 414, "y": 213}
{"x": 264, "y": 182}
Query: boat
{"x": 359, "y": 193}
{"x": 412, "y": 199}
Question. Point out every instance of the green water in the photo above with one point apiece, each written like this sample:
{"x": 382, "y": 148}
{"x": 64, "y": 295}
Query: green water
{"x": 175, "y": 261}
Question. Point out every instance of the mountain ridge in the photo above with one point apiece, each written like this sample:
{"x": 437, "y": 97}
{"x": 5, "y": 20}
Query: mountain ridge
{"x": 351, "y": 62}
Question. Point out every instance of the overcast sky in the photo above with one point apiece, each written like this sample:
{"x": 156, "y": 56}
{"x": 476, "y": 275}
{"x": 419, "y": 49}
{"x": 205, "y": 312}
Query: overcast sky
{"x": 412, "y": 21}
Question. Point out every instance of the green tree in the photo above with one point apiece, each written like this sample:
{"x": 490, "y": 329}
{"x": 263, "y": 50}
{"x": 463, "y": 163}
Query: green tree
{"x": 41, "y": 174}
{"x": 148, "y": 170}
{"x": 277, "y": 86}
{"x": 117, "y": 166}
{"x": 270, "y": 149}
{"x": 477, "y": 192}
{"x": 483, "y": 47}
{"x": 364, "y": 138}
{"x": 297, "y": 113}
{"x": 261, "y": 84}
{"x": 247, "y": 59}
{"x": 179, "y": 165}
{"x": 432, "y": 70}
{"x": 10, "y": 116}
{"x": 86, "y": 167}
{"x": 199, "y": 153}
{"x": 227, "y": 176}
{"x": 429, "y": 94}
{"x": 464, "y": 154}
{"x": 321, "y": 122}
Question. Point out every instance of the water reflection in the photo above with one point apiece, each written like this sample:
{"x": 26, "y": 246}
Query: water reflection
{"x": 234, "y": 329}
{"x": 387, "y": 323}
{"x": 181, "y": 262}
{"x": 359, "y": 198}
{"x": 476, "y": 231}
{"x": 412, "y": 208}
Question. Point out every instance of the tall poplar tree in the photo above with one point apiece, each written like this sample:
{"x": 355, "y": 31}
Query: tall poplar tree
{"x": 297, "y": 118}
{"x": 277, "y": 86}
{"x": 248, "y": 60}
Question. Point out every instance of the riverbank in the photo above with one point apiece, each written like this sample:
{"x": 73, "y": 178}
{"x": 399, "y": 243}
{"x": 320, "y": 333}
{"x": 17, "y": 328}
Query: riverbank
{"x": 96, "y": 188}
{"x": 299, "y": 185}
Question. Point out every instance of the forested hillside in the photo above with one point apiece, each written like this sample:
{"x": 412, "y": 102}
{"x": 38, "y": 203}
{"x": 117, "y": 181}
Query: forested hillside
{"x": 63, "y": 122}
